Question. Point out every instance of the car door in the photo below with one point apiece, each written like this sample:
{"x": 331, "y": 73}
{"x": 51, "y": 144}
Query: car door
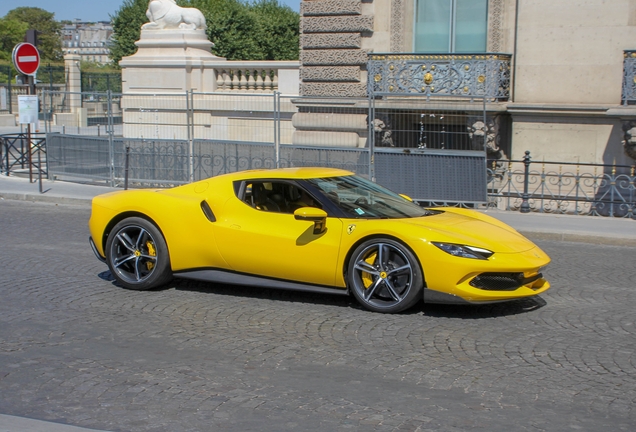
{"x": 267, "y": 241}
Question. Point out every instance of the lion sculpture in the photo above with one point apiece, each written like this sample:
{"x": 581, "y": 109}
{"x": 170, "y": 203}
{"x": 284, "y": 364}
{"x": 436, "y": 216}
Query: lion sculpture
{"x": 166, "y": 14}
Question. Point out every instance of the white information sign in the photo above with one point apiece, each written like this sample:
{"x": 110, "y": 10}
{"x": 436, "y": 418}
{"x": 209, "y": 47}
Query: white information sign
{"x": 28, "y": 108}
{"x": 3, "y": 98}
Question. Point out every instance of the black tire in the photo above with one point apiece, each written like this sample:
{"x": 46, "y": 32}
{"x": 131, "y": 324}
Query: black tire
{"x": 137, "y": 255}
{"x": 385, "y": 276}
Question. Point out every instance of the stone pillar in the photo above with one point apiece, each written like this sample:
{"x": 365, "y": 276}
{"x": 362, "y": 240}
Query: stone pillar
{"x": 332, "y": 60}
{"x": 155, "y": 80}
{"x": 170, "y": 60}
{"x": 74, "y": 78}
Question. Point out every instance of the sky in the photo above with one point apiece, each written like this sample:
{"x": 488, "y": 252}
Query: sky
{"x": 86, "y": 10}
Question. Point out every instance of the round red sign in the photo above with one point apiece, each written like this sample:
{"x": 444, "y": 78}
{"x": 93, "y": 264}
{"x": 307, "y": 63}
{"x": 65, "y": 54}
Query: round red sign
{"x": 26, "y": 58}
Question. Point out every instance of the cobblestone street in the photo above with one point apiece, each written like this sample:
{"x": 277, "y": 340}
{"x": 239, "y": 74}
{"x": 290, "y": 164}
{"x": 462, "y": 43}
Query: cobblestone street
{"x": 77, "y": 349}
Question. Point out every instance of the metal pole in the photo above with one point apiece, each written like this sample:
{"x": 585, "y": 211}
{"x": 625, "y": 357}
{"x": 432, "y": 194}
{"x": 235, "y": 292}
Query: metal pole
{"x": 190, "y": 129}
{"x": 9, "y": 90}
{"x": 371, "y": 136}
{"x": 40, "y": 169}
{"x": 525, "y": 206}
{"x": 46, "y": 117}
{"x": 111, "y": 144}
{"x": 277, "y": 128}
{"x": 31, "y": 81}
{"x": 126, "y": 167}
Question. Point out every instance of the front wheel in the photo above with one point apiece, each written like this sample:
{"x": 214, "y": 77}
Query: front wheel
{"x": 385, "y": 276}
{"x": 137, "y": 255}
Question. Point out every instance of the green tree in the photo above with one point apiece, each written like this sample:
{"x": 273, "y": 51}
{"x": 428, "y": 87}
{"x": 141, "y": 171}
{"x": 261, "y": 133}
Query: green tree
{"x": 11, "y": 33}
{"x": 279, "y": 30}
{"x": 127, "y": 23}
{"x": 231, "y": 28}
{"x": 49, "y": 30}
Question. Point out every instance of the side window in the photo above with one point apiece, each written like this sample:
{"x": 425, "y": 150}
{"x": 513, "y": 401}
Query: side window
{"x": 280, "y": 197}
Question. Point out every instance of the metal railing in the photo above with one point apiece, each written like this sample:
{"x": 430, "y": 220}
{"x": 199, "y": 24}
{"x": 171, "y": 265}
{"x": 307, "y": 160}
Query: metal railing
{"x": 484, "y": 75}
{"x": 562, "y": 188}
{"x": 23, "y": 153}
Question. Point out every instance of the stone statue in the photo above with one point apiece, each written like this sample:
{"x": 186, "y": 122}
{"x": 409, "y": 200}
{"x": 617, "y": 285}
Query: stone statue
{"x": 476, "y": 132}
{"x": 629, "y": 138}
{"x": 166, "y": 14}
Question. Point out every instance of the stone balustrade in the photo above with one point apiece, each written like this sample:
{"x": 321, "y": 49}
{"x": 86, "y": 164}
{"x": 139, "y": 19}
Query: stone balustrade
{"x": 257, "y": 76}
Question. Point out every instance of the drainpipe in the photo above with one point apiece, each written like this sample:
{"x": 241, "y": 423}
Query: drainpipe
{"x": 514, "y": 53}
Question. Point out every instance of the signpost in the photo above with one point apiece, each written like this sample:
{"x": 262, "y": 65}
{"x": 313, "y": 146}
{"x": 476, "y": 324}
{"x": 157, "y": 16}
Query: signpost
{"x": 26, "y": 59}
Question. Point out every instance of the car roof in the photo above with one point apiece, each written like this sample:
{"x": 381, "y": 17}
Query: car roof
{"x": 287, "y": 173}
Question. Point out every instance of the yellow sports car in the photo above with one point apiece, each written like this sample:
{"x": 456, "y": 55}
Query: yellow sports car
{"x": 316, "y": 229}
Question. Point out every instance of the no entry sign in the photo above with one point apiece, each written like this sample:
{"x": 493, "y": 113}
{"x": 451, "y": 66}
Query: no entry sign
{"x": 26, "y": 58}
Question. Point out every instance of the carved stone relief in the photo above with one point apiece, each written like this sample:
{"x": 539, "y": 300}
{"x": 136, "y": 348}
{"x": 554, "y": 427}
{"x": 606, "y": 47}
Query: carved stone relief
{"x": 330, "y": 73}
{"x": 331, "y": 7}
{"x": 341, "y": 57}
{"x": 397, "y": 26}
{"x": 337, "y": 24}
{"x": 330, "y": 40}
{"x": 333, "y": 89}
{"x": 495, "y": 19}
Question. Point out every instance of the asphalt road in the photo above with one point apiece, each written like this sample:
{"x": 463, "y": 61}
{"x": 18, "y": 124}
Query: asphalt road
{"x": 77, "y": 349}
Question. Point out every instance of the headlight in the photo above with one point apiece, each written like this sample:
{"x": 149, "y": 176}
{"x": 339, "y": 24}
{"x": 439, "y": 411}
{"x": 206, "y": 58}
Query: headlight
{"x": 464, "y": 251}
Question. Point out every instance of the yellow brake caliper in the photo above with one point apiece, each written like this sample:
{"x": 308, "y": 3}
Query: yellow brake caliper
{"x": 151, "y": 252}
{"x": 367, "y": 278}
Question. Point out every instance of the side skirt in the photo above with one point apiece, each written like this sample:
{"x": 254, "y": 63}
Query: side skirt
{"x": 226, "y": 277}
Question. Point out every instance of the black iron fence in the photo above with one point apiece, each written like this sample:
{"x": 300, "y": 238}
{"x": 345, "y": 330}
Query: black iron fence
{"x": 101, "y": 82}
{"x": 562, "y": 188}
{"x": 23, "y": 153}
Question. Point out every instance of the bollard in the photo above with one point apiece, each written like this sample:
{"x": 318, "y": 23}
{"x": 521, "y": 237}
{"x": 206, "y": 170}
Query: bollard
{"x": 40, "y": 170}
{"x": 126, "y": 168}
{"x": 525, "y": 206}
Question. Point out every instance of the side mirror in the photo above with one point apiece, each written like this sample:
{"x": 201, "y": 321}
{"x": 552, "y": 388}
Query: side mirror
{"x": 406, "y": 197}
{"x": 315, "y": 215}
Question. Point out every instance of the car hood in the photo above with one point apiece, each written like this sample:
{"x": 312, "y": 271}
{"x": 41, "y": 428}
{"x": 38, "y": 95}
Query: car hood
{"x": 467, "y": 230}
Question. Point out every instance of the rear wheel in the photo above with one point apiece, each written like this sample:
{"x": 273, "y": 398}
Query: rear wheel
{"x": 137, "y": 255}
{"x": 385, "y": 276}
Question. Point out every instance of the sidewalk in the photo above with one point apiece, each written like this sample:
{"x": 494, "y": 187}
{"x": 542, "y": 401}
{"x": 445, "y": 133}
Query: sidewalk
{"x": 536, "y": 226}
{"x": 22, "y": 424}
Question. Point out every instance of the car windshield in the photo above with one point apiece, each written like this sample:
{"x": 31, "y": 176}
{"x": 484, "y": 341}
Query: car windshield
{"x": 362, "y": 199}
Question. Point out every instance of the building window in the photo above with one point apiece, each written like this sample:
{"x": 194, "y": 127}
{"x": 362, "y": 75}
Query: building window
{"x": 451, "y": 25}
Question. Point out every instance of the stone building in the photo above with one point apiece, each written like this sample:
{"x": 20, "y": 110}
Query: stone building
{"x": 557, "y": 77}
{"x": 88, "y": 40}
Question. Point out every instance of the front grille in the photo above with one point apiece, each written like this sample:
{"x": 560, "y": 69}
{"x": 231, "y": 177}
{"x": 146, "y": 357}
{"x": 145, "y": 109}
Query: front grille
{"x": 502, "y": 281}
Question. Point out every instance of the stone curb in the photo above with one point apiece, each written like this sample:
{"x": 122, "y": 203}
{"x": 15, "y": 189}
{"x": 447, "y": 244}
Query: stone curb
{"x": 43, "y": 198}
{"x": 578, "y": 238}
